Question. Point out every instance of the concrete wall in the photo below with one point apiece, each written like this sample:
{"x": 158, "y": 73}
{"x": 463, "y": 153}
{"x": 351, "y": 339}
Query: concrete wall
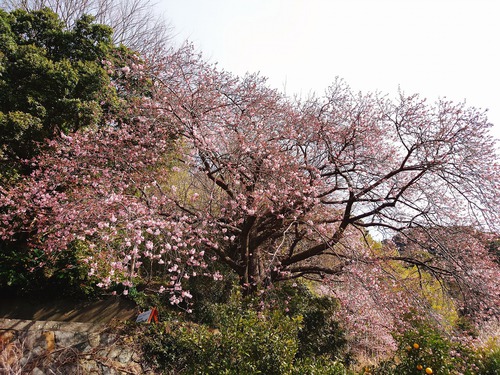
{"x": 50, "y": 347}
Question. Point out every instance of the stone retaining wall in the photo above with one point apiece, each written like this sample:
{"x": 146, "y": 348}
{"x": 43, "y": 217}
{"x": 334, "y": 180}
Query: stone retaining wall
{"x": 49, "y": 347}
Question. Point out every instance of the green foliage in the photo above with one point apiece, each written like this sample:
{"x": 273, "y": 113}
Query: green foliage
{"x": 490, "y": 361}
{"x": 208, "y": 293}
{"x": 488, "y": 356}
{"x": 26, "y": 271}
{"x": 320, "y": 334}
{"x": 243, "y": 342}
{"x": 51, "y": 80}
{"x": 319, "y": 366}
{"x": 425, "y": 348}
{"x": 286, "y": 331}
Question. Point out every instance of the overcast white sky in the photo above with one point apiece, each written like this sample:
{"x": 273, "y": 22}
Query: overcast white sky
{"x": 431, "y": 47}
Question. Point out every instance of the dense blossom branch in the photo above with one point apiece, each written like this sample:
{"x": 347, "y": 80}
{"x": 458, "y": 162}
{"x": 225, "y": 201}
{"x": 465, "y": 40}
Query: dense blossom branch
{"x": 213, "y": 167}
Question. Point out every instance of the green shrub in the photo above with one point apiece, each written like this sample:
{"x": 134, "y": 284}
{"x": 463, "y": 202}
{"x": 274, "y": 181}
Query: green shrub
{"x": 29, "y": 272}
{"x": 320, "y": 334}
{"x": 169, "y": 348}
{"x": 425, "y": 348}
{"x": 319, "y": 366}
{"x": 244, "y": 342}
{"x": 286, "y": 331}
{"x": 490, "y": 363}
{"x": 208, "y": 293}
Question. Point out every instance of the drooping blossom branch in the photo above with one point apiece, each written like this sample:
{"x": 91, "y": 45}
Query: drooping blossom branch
{"x": 212, "y": 167}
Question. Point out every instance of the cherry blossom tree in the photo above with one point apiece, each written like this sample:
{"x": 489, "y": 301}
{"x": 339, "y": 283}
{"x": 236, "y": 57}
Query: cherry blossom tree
{"x": 213, "y": 168}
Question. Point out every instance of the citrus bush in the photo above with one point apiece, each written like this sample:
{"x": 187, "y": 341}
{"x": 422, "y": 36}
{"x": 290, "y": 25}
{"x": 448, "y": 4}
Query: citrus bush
{"x": 426, "y": 351}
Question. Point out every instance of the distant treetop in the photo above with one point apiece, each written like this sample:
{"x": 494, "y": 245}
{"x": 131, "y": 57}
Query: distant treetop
{"x": 134, "y": 22}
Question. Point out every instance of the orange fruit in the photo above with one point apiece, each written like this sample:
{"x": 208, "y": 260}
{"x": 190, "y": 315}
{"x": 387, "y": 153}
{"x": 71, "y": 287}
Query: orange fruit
{"x": 428, "y": 370}
{"x": 416, "y": 346}
{"x": 419, "y": 367}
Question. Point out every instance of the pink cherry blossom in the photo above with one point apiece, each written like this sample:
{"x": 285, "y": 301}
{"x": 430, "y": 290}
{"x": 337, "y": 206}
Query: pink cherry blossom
{"x": 208, "y": 167}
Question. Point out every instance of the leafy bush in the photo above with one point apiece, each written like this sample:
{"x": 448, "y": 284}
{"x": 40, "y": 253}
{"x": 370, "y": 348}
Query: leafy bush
{"x": 490, "y": 363}
{"x": 208, "y": 293}
{"x": 320, "y": 334}
{"x": 426, "y": 351}
{"x": 26, "y": 271}
{"x": 244, "y": 342}
{"x": 287, "y": 331}
{"x": 319, "y": 366}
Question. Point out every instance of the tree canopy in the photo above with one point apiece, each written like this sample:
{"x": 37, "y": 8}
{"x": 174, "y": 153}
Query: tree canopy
{"x": 215, "y": 169}
{"x": 52, "y": 80}
{"x": 135, "y": 23}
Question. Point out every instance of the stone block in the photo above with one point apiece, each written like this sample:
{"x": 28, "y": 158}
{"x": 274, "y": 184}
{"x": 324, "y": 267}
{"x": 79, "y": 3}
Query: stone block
{"x": 94, "y": 339}
{"x": 69, "y": 339}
